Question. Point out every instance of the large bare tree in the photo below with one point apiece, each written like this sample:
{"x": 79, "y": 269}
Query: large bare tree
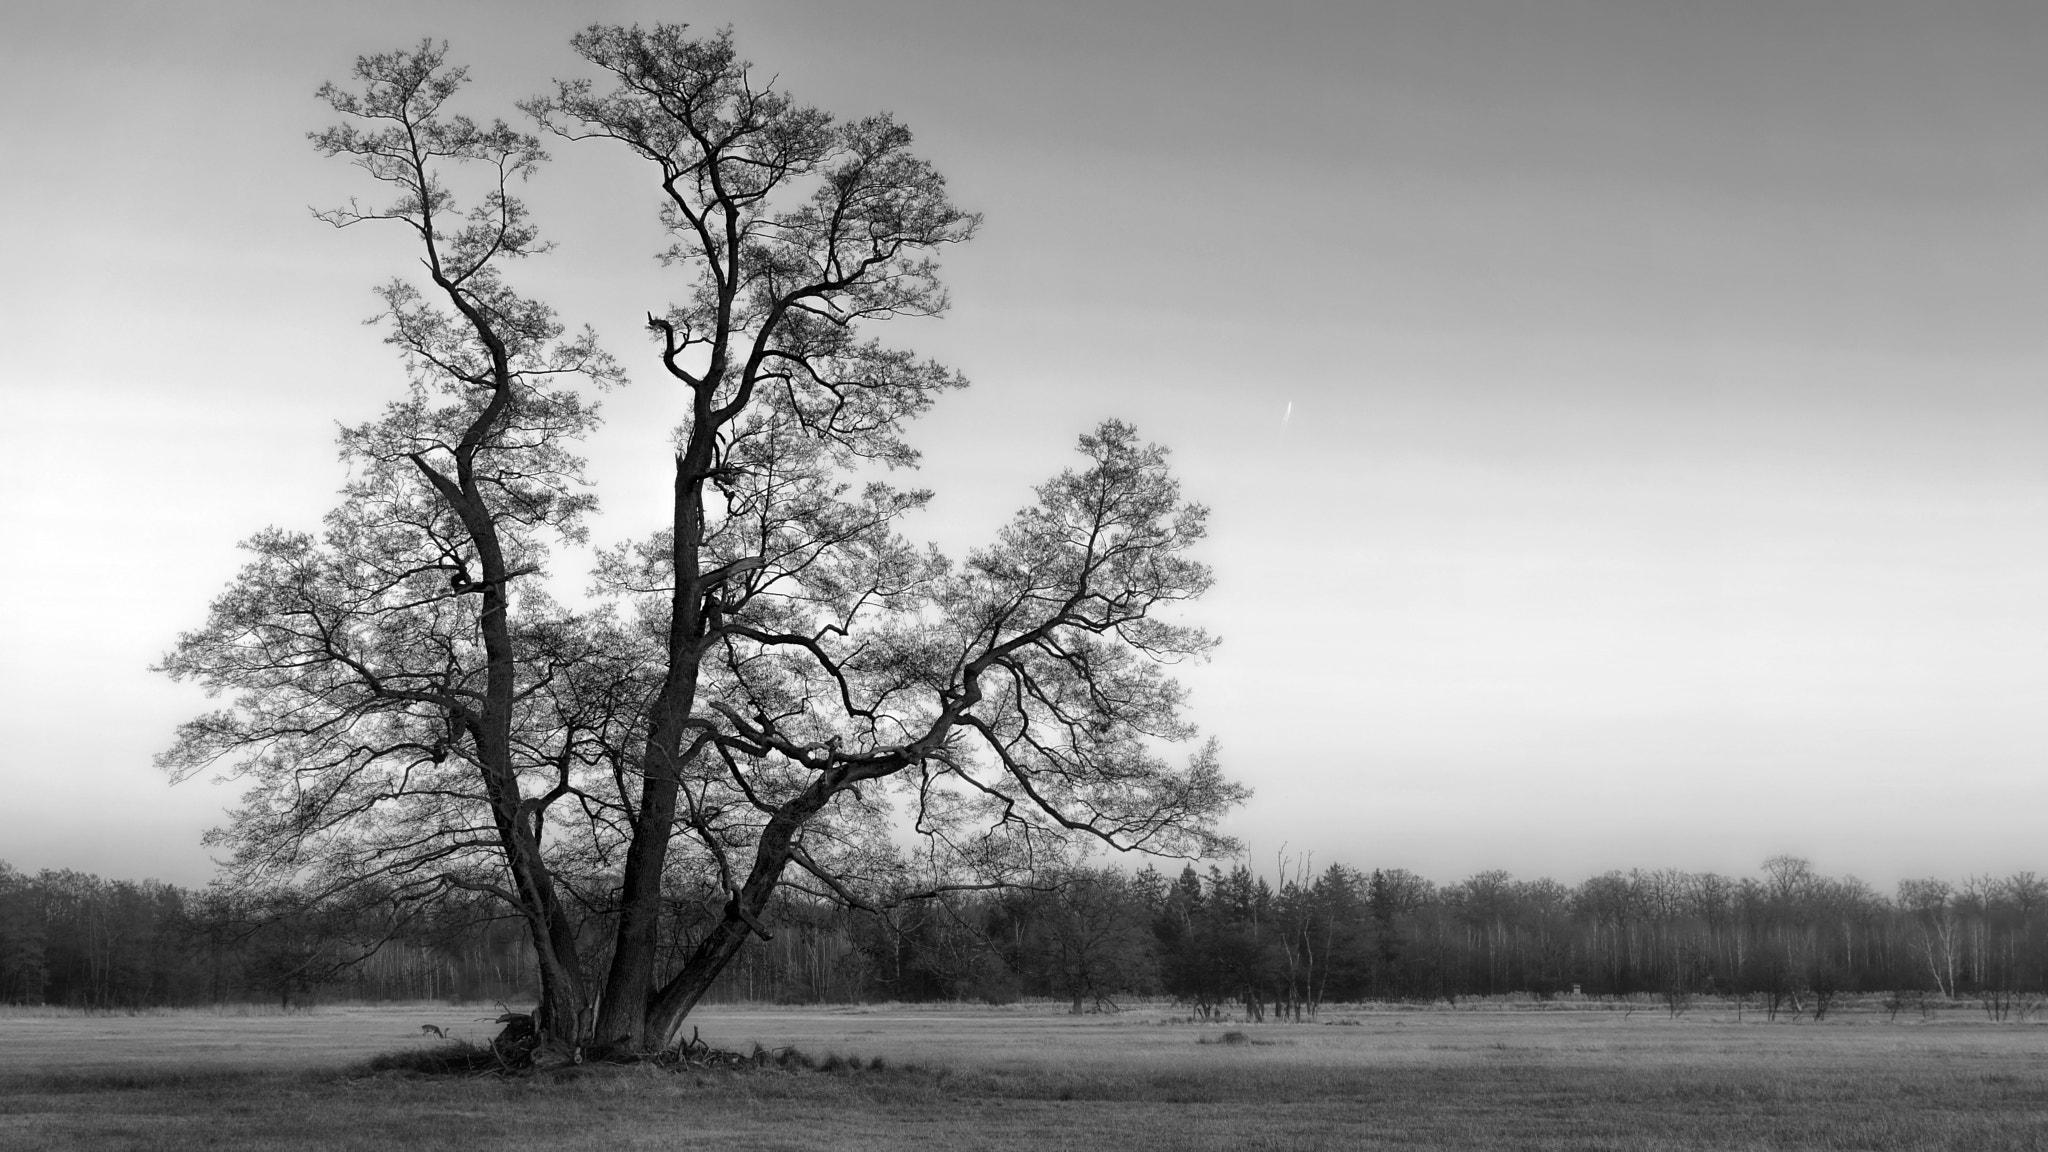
{"x": 778, "y": 688}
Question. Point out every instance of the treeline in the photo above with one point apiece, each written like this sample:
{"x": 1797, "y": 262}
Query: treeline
{"x": 1789, "y": 935}
{"x": 1218, "y": 940}
{"x": 1231, "y": 940}
{"x": 72, "y": 939}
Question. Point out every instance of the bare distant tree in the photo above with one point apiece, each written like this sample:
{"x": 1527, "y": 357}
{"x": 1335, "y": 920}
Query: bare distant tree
{"x": 1090, "y": 937}
{"x": 1931, "y": 903}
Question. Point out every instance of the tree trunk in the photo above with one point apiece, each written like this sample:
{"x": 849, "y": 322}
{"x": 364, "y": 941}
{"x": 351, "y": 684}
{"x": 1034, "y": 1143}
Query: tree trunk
{"x": 623, "y": 1018}
{"x": 663, "y": 1022}
{"x": 663, "y": 1026}
{"x": 626, "y": 1016}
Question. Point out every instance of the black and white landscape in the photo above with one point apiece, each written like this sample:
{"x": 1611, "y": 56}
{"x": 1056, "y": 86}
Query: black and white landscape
{"x": 1469, "y": 569}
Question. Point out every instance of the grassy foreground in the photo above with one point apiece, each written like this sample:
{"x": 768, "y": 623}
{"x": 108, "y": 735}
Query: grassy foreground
{"x": 1029, "y": 1079}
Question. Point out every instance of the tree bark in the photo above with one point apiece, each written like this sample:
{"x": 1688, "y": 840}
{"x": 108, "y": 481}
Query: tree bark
{"x": 625, "y": 1020}
{"x": 664, "y": 1017}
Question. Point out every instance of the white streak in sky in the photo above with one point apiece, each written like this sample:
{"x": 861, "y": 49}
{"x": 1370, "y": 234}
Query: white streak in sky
{"x": 1288, "y": 415}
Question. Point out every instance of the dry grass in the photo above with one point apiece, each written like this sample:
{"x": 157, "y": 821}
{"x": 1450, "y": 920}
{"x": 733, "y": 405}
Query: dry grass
{"x": 1027, "y": 1077}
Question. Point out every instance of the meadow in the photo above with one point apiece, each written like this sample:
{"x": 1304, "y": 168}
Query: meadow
{"x": 1029, "y": 1076}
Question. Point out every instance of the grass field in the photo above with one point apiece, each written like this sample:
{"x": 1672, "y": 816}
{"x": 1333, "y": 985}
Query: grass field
{"x": 1030, "y": 1077}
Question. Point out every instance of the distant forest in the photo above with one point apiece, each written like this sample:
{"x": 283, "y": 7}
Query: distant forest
{"x": 1218, "y": 940}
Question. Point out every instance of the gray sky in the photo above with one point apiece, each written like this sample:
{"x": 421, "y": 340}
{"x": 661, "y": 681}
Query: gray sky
{"x": 1667, "y": 476}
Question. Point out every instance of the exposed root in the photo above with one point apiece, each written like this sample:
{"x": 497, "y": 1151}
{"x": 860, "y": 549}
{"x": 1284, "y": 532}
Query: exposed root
{"x": 697, "y": 1053}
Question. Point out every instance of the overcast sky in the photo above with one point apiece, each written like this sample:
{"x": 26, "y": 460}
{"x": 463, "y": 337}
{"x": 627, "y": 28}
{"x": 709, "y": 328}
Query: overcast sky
{"x": 1666, "y": 479}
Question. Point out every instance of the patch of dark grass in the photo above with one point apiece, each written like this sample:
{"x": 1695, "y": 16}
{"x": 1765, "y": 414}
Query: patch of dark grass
{"x": 454, "y": 1058}
{"x": 794, "y": 1059}
{"x": 1233, "y": 1039}
{"x": 461, "y": 1058}
{"x": 790, "y": 1059}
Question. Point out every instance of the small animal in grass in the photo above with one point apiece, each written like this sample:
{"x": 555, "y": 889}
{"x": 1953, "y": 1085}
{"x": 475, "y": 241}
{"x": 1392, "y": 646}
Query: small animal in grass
{"x": 435, "y": 1029}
